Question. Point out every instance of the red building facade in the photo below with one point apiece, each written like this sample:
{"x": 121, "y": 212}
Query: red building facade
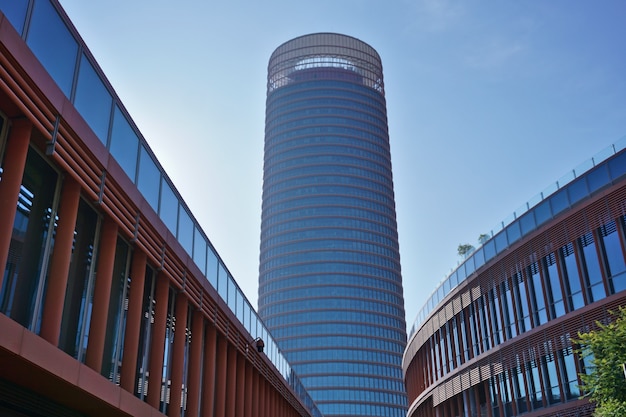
{"x": 113, "y": 301}
{"x": 495, "y": 339}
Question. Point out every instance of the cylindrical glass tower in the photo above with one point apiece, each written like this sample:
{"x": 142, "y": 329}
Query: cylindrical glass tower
{"x": 330, "y": 287}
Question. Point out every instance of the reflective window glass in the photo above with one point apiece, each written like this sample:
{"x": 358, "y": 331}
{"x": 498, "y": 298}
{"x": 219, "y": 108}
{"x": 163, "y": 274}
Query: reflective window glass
{"x": 490, "y": 249}
{"x": 577, "y": 190}
{"x": 613, "y": 256}
{"x": 559, "y": 201}
{"x": 124, "y": 144}
{"x": 542, "y": 212}
{"x": 199, "y": 250}
{"x": 527, "y": 222}
{"x": 598, "y": 178}
{"x": 51, "y": 42}
{"x": 211, "y": 267}
{"x": 15, "y": 11}
{"x": 617, "y": 166}
{"x": 222, "y": 282}
{"x": 185, "y": 230}
{"x": 513, "y": 232}
{"x": 93, "y": 102}
{"x": 593, "y": 273}
{"x": 571, "y": 278}
{"x": 149, "y": 179}
{"x": 168, "y": 208}
{"x": 501, "y": 242}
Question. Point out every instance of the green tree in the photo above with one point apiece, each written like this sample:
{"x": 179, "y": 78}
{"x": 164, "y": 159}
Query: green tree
{"x": 465, "y": 249}
{"x": 604, "y": 352}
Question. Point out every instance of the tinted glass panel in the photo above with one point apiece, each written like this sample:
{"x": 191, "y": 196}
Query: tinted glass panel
{"x": 501, "y": 242}
{"x": 199, "y": 250}
{"x": 513, "y": 232}
{"x": 617, "y": 166}
{"x": 559, "y": 202}
{"x": 527, "y": 222}
{"x": 211, "y": 267}
{"x": 149, "y": 179}
{"x": 542, "y": 212}
{"x": 52, "y": 44}
{"x": 577, "y": 190}
{"x": 222, "y": 282}
{"x": 185, "y": 231}
{"x": 168, "y": 209}
{"x": 15, "y": 11}
{"x": 93, "y": 100}
{"x": 124, "y": 144}
{"x": 598, "y": 178}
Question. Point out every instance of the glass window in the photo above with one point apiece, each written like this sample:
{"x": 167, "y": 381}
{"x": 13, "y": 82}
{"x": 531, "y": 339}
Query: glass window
{"x": 211, "y": 267}
{"x": 571, "y": 278}
{"x": 490, "y": 250}
{"x": 593, "y": 274}
{"x": 149, "y": 179}
{"x": 577, "y": 190}
{"x": 559, "y": 201}
{"x": 124, "y": 144}
{"x": 553, "y": 287}
{"x": 501, "y": 242}
{"x": 33, "y": 235}
{"x": 15, "y": 11}
{"x": 222, "y": 282}
{"x": 185, "y": 230}
{"x": 199, "y": 250}
{"x": 513, "y": 232}
{"x": 598, "y": 178}
{"x": 569, "y": 376}
{"x": 93, "y": 102}
{"x": 527, "y": 222}
{"x": 52, "y": 43}
{"x": 551, "y": 380}
{"x": 536, "y": 295}
{"x": 168, "y": 209}
{"x": 542, "y": 212}
{"x": 613, "y": 256}
{"x": 617, "y": 166}
{"x": 78, "y": 298}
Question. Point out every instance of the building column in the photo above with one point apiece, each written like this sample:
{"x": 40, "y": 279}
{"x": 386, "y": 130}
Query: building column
{"x": 157, "y": 344}
{"x": 249, "y": 396}
{"x": 133, "y": 321}
{"x": 261, "y": 403}
{"x": 231, "y": 380}
{"x": 13, "y": 171}
{"x": 101, "y": 295}
{"x": 178, "y": 354}
{"x": 221, "y": 375}
{"x": 208, "y": 381}
{"x": 256, "y": 389}
{"x": 195, "y": 364}
{"x": 52, "y": 314}
{"x": 242, "y": 392}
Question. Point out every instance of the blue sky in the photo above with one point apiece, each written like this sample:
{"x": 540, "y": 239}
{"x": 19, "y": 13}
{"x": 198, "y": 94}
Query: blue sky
{"x": 488, "y": 104}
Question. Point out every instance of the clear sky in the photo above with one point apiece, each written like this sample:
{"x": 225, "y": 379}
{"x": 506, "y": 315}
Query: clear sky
{"x": 488, "y": 104}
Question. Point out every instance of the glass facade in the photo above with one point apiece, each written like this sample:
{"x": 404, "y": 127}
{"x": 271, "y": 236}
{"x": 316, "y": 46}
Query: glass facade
{"x": 330, "y": 286}
{"x": 515, "y": 319}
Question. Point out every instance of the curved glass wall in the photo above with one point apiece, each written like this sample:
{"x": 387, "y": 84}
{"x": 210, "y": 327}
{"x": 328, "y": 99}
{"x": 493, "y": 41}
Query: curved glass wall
{"x": 575, "y": 186}
{"x": 329, "y": 269}
{"x": 61, "y": 52}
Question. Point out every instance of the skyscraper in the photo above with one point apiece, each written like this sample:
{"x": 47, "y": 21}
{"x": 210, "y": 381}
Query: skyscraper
{"x": 330, "y": 286}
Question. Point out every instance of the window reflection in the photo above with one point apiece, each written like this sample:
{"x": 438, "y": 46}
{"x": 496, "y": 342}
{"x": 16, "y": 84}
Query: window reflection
{"x": 15, "y": 11}
{"x": 52, "y": 43}
{"x": 124, "y": 144}
{"x": 93, "y": 102}
{"x": 149, "y": 179}
{"x": 168, "y": 207}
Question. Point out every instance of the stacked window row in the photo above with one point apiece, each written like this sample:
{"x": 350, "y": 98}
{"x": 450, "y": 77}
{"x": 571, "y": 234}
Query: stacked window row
{"x": 328, "y": 191}
{"x": 362, "y": 342}
{"x": 311, "y": 214}
{"x": 317, "y": 88}
{"x": 359, "y": 409}
{"x": 334, "y": 268}
{"x": 352, "y": 110}
{"x": 577, "y": 274}
{"x": 375, "y": 151}
{"x": 349, "y": 166}
{"x": 336, "y": 130}
{"x": 310, "y": 280}
{"x": 317, "y": 243}
{"x": 336, "y": 122}
{"x": 331, "y": 289}
{"x": 590, "y": 177}
{"x": 345, "y": 354}
{"x": 337, "y": 368}
{"x": 338, "y": 328}
{"x": 326, "y": 316}
{"x": 355, "y": 382}
{"x": 365, "y": 223}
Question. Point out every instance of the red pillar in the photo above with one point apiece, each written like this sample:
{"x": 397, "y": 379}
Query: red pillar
{"x": 133, "y": 320}
{"x": 13, "y": 171}
{"x": 220, "y": 376}
{"x": 178, "y": 355}
{"x": 60, "y": 262}
{"x": 256, "y": 388}
{"x": 208, "y": 384}
{"x": 249, "y": 397}
{"x": 195, "y": 363}
{"x": 241, "y": 393}
{"x": 231, "y": 380}
{"x": 101, "y": 295}
{"x": 157, "y": 344}
{"x": 262, "y": 393}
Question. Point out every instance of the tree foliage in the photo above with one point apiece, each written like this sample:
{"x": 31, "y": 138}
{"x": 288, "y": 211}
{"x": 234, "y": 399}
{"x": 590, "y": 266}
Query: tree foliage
{"x": 465, "y": 249}
{"x": 604, "y": 352}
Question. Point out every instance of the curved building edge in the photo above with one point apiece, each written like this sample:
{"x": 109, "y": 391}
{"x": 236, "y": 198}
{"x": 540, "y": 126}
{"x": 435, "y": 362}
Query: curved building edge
{"x": 498, "y": 343}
